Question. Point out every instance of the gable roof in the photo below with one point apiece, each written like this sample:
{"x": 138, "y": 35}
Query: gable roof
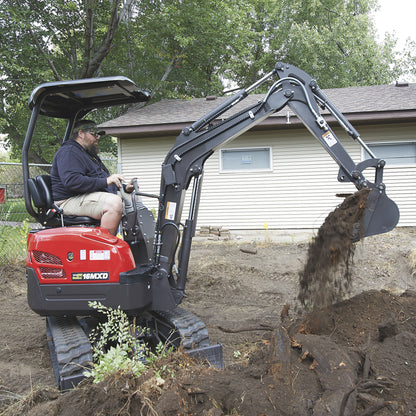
{"x": 371, "y": 104}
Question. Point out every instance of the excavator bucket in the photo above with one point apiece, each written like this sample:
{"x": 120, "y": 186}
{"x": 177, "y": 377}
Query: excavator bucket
{"x": 381, "y": 214}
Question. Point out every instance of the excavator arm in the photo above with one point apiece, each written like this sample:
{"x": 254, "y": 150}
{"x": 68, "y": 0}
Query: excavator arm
{"x": 195, "y": 144}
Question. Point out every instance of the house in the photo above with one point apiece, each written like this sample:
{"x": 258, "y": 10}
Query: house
{"x": 277, "y": 175}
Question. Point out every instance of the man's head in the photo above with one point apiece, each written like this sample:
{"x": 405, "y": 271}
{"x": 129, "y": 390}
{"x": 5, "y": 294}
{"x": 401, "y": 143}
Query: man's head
{"x": 87, "y": 134}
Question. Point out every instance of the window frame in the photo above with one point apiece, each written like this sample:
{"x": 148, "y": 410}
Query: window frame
{"x": 242, "y": 149}
{"x": 391, "y": 143}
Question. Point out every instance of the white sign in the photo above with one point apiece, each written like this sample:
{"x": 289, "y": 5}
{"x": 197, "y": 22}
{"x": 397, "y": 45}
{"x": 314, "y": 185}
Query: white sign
{"x": 170, "y": 211}
{"x": 99, "y": 254}
{"x": 329, "y": 138}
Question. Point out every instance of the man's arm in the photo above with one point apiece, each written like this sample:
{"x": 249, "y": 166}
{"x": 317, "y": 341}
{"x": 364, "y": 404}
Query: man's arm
{"x": 79, "y": 174}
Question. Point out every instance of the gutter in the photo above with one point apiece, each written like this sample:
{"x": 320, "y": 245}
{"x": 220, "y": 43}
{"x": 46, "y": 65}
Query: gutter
{"x": 279, "y": 122}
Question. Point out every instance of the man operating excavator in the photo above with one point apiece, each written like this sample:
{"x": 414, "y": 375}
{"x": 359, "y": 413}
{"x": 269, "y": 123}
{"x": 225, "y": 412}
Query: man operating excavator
{"x": 81, "y": 183}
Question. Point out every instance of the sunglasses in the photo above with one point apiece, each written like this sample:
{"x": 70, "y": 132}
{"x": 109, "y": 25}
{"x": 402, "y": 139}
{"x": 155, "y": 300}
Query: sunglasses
{"x": 95, "y": 133}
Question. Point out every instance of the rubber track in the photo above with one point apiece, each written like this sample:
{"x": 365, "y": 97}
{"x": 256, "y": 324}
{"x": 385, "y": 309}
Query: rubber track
{"x": 71, "y": 346}
{"x": 192, "y": 330}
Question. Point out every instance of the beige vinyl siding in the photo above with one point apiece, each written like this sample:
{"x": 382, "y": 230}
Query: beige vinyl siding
{"x": 298, "y": 192}
{"x": 283, "y": 198}
{"x": 143, "y": 158}
{"x": 400, "y": 180}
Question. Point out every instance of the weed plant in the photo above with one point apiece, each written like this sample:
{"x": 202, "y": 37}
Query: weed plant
{"x": 117, "y": 348}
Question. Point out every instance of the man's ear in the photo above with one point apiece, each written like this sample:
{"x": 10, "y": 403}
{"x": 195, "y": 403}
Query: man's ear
{"x": 79, "y": 135}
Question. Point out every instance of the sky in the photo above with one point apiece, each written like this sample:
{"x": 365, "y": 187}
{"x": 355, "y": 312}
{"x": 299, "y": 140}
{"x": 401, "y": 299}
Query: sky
{"x": 396, "y": 16}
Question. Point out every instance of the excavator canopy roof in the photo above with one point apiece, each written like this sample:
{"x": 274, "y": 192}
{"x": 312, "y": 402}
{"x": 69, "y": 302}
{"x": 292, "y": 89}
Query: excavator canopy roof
{"x": 64, "y": 99}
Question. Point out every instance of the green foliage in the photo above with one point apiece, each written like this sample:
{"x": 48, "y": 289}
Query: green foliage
{"x": 116, "y": 359}
{"x": 13, "y": 210}
{"x": 13, "y": 242}
{"x": 13, "y": 237}
{"x": 237, "y": 354}
{"x": 45, "y": 41}
{"x": 182, "y": 49}
{"x": 176, "y": 49}
{"x": 334, "y": 41}
{"x": 408, "y": 64}
{"x": 116, "y": 347}
{"x": 24, "y": 231}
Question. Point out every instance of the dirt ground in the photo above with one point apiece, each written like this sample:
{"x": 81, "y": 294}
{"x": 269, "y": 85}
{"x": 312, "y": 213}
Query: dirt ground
{"x": 355, "y": 357}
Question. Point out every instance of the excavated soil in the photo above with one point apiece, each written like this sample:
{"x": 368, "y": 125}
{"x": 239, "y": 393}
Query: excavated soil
{"x": 326, "y": 276}
{"x": 355, "y": 356}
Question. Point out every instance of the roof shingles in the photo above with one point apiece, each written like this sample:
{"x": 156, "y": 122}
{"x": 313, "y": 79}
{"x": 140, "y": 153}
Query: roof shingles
{"x": 377, "y": 98}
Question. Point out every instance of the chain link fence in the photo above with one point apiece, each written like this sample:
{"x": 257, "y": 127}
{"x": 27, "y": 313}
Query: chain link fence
{"x": 15, "y": 222}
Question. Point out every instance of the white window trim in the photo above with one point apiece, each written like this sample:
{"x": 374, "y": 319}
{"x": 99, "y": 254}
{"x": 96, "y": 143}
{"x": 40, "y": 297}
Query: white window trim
{"x": 387, "y": 143}
{"x": 248, "y": 171}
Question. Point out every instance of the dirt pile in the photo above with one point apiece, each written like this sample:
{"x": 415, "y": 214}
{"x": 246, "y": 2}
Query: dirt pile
{"x": 332, "y": 366}
{"x": 326, "y": 276}
{"x": 353, "y": 357}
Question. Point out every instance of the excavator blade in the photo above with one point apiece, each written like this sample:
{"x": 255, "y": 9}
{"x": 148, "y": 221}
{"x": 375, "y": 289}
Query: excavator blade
{"x": 381, "y": 214}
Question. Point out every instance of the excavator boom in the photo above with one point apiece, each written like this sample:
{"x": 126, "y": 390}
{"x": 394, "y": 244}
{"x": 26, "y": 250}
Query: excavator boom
{"x": 195, "y": 144}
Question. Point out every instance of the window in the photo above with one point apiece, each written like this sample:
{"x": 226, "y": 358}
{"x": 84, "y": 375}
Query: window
{"x": 394, "y": 153}
{"x": 258, "y": 158}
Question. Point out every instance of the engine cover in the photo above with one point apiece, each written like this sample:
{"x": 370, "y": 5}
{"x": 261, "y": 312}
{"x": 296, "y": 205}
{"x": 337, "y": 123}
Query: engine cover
{"x": 69, "y": 266}
{"x": 81, "y": 255}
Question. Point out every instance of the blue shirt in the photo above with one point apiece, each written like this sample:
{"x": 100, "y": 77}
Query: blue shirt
{"x": 75, "y": 171}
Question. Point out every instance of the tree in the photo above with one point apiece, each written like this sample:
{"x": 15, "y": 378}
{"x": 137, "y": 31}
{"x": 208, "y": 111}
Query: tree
{"x": 177, "y": 48}
{"x": 50, "y": 40}
{"x": 409, "y": 61}
{"x": 172, "y": 48}
{"x": 181, "y": 48}
{"x": 333, "y": 40}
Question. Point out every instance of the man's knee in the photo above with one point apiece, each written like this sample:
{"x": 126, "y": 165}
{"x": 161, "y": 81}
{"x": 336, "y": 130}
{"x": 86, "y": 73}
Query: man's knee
{"x": 113, "y": 203}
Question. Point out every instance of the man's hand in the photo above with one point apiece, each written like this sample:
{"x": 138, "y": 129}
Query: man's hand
{"x": 116, "y": 179}
{"x": 130, "y": 186}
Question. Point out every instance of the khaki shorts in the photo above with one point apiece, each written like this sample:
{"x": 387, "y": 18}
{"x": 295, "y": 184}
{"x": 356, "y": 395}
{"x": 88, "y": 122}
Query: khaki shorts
{"x": 89, "y": 205}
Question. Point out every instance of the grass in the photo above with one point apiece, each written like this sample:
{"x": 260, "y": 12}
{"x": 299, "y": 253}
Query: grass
{"x": 13, "y": 210}
{"x": 13, "y": 237}
{"x": 12, "y": 242}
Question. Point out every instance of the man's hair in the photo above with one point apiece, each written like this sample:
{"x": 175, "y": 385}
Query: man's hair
{"x": 85, "y": 125}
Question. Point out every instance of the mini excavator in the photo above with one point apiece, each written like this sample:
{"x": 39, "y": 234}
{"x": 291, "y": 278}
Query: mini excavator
{"x": 72, "y": 260}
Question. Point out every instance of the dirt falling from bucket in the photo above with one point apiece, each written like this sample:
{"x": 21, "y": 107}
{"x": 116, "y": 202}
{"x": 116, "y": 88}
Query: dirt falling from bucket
{"x": 326, "y": 276}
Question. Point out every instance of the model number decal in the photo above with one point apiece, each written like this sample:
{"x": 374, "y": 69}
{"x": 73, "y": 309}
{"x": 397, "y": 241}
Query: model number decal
{"x": 90, "y": 276}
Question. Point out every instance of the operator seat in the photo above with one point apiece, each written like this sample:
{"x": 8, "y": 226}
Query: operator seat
{"x": 49, "y": 214}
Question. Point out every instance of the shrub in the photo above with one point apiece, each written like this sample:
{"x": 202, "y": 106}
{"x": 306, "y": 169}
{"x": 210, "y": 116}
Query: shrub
{"x": 116, "y": 346}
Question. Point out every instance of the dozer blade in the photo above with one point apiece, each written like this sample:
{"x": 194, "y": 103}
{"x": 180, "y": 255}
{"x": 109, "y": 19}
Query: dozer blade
{"x": 381, "y": 214}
